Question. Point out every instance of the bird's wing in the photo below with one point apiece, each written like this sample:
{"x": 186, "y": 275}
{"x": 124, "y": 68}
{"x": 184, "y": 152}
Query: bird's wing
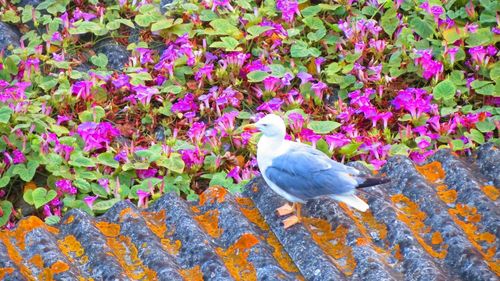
{"x": 307, "y": 173}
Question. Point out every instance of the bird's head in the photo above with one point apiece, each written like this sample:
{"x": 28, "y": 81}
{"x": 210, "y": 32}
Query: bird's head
{"x": 271, "y": 126}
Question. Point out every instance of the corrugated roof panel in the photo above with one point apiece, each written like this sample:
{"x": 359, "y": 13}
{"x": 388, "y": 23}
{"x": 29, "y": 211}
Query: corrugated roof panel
{"x": 438, "y": 221}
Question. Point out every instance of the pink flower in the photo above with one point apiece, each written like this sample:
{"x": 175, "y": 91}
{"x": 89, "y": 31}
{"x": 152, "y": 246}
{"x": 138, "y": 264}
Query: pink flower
{"x": 235, "y": 174}
{"x": 65, "y": 186}
{"x": 336, "y": 140}
{"x": 271, "y": 105}
{"x": 82, "y": 89}
{"x": 185, "y": 104}
{"x": 18, "y": 157}
{"x": 296, "y": 121}
{"x": 63, "y": 119}
{"x": 414, "y": 100}
{"x": 89, "y": 200}
{"x": 144, "y": 55}
{"x": 56, "y": 36}
{"x": 97, "y": 135}
{"x": 147, "y": 173}
{"x": 304, "y": 77}
{"x": 143, "y": 198}
{"x": 104, "y": 183}
{"x": 145, "y": 93}
{"x": 288, "y": 8}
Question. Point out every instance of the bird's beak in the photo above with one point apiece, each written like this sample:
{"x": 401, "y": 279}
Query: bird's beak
{"x": 250, "y": 127}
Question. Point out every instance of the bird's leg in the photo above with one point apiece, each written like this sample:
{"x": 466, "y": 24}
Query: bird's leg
{"x": 292, "y": 220}
{"x": 285, "y": 210}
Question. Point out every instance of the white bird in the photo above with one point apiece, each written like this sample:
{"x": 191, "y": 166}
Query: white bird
{"x": 299, "y": 172}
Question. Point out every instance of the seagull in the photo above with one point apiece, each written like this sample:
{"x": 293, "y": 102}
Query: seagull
{"x": 298, "y": 172}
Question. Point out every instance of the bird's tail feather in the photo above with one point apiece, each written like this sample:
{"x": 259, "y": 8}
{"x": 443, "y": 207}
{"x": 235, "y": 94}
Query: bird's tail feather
{"x": 367, "y": 182}
{"x": 352, "y": 201}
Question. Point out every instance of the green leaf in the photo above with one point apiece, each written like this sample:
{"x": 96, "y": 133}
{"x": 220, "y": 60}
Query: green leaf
{"x": 162, "y": 24}
{"x": 221, "y": 179}
{"x": 101, "y": 60}
{"x": 105, "y": 205}
{"x": 4, "y": 181}
{"x": 10, "y": 16}
{"x": 314, "y": 22}
{"x": 82, "y": 185}
{"x": 444, "y": 90}
{"x": 299, "y": 50}
{"x": 323, "y": 127}
{"x": 350, "y": 149}
{"x": 422, "y": 28}
{"x": 475, "y": 135}
{"x": 11, "y": 63}
{"x": 5, "y": 113}
{"x": 453, "y": 34}
{"x": 6, "y": 207}
{"x": 26, "y": 172}
{"x": 390, "y": 21}
{"x": 485, "y": 126}
{"x": 41, "y": 196}
{"x": 256, "y": 30}
{"x": 488, "y": 90}
{"x": 59, "y": 130}
{"x": 257, "y": 76}
{"x": 457, "y": 145}
{"x": 277, "y": 70}
{"x": 51, "y": 220}
{"x": 481, "y": 37}
{"x": 310, "y": 11}
{"x": 224, "y": 27}
{"x": 173, "y": 163}
{"x": 78, "y": 160}
{"x": 495, "y": 72}
{"x": 399, "y": 149}
{"x": 107, "y": 159}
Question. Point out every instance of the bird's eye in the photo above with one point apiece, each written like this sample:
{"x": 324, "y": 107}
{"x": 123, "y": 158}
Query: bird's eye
{"x": 265, "y": 125}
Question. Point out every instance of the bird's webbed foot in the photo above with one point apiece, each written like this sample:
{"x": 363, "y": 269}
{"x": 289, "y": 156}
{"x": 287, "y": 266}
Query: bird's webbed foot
{"x": 285, "y": 210}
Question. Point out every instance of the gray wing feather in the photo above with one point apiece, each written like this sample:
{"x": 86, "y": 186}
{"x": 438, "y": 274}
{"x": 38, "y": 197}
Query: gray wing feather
{"x": 307, "y": 173}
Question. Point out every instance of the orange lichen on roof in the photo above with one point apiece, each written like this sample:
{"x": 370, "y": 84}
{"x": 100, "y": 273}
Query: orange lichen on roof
{"x": 156, "y": 222}
{"x": 466, "y": 216}
{"x": 251, "y": 212}
{"x": 5, "y": 270}
{"x": 108, "y": 229}
{"x": 209, "y": 221}
{"x": 192, "y": 274}
{"x": 492, "y": 192}
{"x": 235, "y": 258}
{"x": 128, "y": 212}
{"x": 433, "y": 171}
{"x": 436, "y": 238}
{"x": 397, "y": 252}
{"x": 37, "y": 261}
{"x": 448, "y": 196}
{"x": 280, "y": 255}
{"x": 15, "y": 241}
{"x": 362, "y": 220}
{"x": 212, "y": 194}
{"x": 333, "y": 243}
{"x": 414, "y": 218}
{"x": 128, "y": 256}
{"x": 172, "y": 248}
{"x": 59, "y": 267}
{"x": 72, "y": 249}
{"x": 69, "y": 220}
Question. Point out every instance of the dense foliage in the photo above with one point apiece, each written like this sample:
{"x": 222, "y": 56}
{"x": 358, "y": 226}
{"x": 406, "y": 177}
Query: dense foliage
{"x": 109, "y": 100}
